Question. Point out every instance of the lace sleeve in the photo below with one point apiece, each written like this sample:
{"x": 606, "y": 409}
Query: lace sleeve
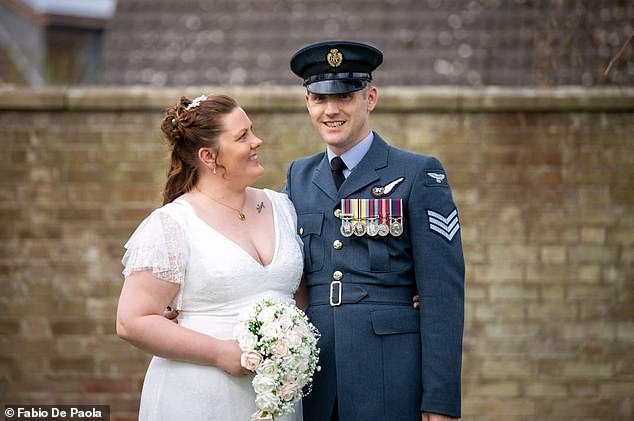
{"x": 159, "y": 245}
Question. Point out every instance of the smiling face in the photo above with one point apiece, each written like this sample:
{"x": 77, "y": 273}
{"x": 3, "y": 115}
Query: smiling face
{"x": 343, "y": 120}
{"x": 237, "y": 148}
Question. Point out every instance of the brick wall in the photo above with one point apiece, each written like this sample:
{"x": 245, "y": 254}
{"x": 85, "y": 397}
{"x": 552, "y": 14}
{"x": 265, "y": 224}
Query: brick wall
{"x": 543, "y": 179}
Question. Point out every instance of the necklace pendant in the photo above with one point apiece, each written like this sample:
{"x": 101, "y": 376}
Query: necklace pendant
{"x": 241, "y": 216}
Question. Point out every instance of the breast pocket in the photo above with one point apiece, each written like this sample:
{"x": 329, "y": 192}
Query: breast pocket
{"x": 368, "y": 254}
{"x": 310, "y": 227}
{"x": 379, "y": 255}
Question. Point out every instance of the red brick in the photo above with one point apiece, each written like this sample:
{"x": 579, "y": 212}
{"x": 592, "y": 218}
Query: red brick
{"x": 105, "y": 385}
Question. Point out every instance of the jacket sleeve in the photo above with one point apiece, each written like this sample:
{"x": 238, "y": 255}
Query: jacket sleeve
{"x": 286, "y": 189}
{"x": 434, "y": 227}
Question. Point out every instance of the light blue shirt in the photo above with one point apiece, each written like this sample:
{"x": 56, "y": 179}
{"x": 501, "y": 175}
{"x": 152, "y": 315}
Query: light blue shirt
{"x": 354, "y": 155}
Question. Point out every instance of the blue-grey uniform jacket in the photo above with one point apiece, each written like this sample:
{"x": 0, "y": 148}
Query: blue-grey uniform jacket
{"x": 381, "y": 359}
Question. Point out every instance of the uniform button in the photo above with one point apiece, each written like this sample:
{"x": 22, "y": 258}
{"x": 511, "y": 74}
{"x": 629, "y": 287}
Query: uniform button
{"x": 337, "y": 245}
{"x": 337, "y": 275}
{"x": 301, "y": 230}
{"x": 337, "y": 213}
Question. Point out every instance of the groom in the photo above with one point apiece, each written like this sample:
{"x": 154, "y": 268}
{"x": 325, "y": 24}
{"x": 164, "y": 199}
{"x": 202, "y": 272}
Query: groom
{"x": 379, "y": 225}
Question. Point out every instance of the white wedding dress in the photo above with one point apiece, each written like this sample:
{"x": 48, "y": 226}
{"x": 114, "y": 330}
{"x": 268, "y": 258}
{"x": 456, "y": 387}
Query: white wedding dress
{"x": 218, "y": 280}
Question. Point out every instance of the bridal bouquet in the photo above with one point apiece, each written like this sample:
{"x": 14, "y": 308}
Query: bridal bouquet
{"x": 279, "y": 344}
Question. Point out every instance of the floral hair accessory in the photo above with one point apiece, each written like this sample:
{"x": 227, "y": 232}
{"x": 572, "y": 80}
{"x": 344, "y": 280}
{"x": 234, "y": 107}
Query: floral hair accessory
{"x": 196, "y": 102}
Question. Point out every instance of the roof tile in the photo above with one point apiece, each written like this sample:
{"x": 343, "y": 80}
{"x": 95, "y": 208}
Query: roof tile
{"x": 431, "y": 42}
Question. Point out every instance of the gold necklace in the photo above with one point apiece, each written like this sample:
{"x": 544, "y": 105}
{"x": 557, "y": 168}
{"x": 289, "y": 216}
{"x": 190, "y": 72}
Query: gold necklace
{"x": 241, "y": 216}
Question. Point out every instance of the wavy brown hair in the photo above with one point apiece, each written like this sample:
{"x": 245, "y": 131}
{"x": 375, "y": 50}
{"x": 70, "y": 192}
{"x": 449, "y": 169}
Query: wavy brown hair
{"x": 186, "y": 131}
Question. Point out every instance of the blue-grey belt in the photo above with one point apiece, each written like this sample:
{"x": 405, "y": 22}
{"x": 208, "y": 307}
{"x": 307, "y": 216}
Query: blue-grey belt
{"x": 337, "y": 293}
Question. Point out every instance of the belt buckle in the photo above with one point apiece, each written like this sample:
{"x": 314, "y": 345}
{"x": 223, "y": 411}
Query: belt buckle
{"x": 335, "y": 285}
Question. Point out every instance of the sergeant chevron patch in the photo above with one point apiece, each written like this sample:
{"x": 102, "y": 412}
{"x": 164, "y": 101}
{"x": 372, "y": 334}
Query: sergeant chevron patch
{"x": 446, "y": 226}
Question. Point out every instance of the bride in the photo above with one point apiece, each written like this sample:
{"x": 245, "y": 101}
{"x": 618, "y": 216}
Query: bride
{"x": 212, "y": 250}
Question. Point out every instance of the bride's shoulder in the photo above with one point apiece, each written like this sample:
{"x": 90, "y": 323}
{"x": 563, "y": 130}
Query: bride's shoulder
{"x": 179, "y": 210}
{"x": 277, "y": 197}
{"x": 283, "y": 205}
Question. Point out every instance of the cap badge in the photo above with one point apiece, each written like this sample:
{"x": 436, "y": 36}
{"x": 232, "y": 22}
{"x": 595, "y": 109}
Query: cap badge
{"x": 334, "y": 57}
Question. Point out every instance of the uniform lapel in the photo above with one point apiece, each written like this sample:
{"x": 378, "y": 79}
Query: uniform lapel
{"x": 366, "y": 170}
{"x": 322, "y": 178}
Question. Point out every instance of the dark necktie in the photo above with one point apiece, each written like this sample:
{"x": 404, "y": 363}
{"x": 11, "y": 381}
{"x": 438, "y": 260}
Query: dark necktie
{"x": 337, "y": 166}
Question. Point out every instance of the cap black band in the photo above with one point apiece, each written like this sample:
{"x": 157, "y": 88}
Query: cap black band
{"x": 338, "y": 76}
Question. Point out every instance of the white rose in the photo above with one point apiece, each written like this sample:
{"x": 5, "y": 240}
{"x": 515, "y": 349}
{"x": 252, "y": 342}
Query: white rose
{"x": 297, "y": 364}
{"x": 290, "y": 363}
{"x": 270, "y": 329}
{"x": 247, "y": 341}
{"x": 302, "y": 365}
{"x": 263, "y": 384}
{"x": 301, "y": 327}
{"x": 267, "y": 314}
{"x": 267, "y": 401}
{"x": 294, "y": 339}
{"x": 267, "y": 368}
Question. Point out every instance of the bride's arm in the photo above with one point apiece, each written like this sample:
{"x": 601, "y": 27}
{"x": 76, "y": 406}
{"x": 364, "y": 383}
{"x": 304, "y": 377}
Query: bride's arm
{"x": 140, "y": 321}
{"x": 301, "y": 295}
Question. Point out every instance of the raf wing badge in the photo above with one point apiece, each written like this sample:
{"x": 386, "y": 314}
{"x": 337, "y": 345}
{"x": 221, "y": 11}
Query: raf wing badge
{"x": 378, "y": 191}
{"x": 436, "y": 178}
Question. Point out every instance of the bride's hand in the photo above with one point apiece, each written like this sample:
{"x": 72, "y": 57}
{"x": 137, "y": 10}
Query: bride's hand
{"x": 229, "y": 358}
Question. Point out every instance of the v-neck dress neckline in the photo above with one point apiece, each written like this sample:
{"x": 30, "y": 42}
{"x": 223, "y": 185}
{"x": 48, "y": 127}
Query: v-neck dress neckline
{"x": 232, "y": 243}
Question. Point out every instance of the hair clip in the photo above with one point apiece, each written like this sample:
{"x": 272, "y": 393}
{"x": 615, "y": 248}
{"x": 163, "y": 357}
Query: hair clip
{"x": 196, "y": 102}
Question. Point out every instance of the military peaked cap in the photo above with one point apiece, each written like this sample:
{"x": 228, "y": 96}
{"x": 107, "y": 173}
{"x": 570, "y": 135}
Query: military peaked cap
{"x": 337, "y": 66}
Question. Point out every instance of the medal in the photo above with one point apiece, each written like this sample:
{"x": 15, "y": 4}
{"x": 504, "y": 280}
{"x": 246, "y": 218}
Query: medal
{"x": 396, "y": 229}
{"x": 358, "y": 220}
{"x": 346, "y": 218}
{"x": 384, "y": 228}
{"x": 373, "y": 226}
{"x": 346, "y": 228}
{"x": 396, "y": 224}
{"x": 359, "y": 229}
